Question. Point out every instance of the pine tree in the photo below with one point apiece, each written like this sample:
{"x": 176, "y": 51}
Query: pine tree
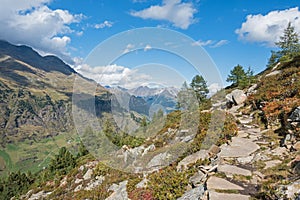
{"x": 63, "y": 162}
{"x": 199, "y": 86}
{"x": 289, "y": 42}
{"x": 239, "y": 77}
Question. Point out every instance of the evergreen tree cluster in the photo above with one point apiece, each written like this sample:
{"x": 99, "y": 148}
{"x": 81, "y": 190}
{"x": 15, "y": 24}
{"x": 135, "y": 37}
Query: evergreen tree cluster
{"x": 288, "y": 45}
{"x": 15, "y": 184}
{"x": 240, "y": 78}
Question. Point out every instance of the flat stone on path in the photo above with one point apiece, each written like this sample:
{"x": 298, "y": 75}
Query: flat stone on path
{"x": 231, "y": 169}
{"x": 272, "y": 163}
{"x": 225, "y": 196}
{"x": 200, "y": 155}
{"x": 242, "y": 134}
{"x": 239, "y": 147}
{"x": 221, "y": 184}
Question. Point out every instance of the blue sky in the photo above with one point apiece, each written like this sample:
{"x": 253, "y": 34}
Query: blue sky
{"x": 232, "y": 31}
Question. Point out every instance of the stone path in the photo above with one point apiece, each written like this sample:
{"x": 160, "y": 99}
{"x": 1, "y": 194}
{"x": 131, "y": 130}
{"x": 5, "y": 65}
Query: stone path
{"x": 232, "y": 160}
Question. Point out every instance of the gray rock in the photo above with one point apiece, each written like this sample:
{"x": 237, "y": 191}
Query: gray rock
{"x": 252, "y": 89}
{"x": 238, "y": 96}
{"x": 94, "y": 184}
{"x": 231, "y": 169}
{"x": 245, "y": 160}
{"x": 223, "y": 196}
{"x": 78, "y": 188}
{"x": 187, "y": 138}
{"x": 273, "y": 73}
{"x": 119, "y": 191}
{"x": 295, "y": 116}
{"x": 193, "y": 194}
{"x": 293, "y": 189}
{"x": 272, "y": 163}
{"x": 197, "y": 178}
{"x": 88, "y": 174}
{"x": 200, "y": 155}
{"x": 217, "y": 183}
{"x": 239, "y": 147}
{"x": 78, "y": 180}
{"x": 159, "y": 160}
{"x": 142, "y": 184}
{"x": 39, "y": 195}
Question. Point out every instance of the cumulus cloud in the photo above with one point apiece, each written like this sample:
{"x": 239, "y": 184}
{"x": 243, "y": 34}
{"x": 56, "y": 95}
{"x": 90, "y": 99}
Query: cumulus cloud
{"x": 115, "y": 75}
{"x": 104, "y": 24}
{"x": 268, "y": 28}
{"x": 33, "y": 23}
{"x": 180, "y": 14}
{"x": 210, "y": 43}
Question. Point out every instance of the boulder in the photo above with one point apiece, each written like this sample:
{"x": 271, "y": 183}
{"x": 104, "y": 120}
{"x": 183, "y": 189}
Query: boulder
{"x": 295, "y": 116}
{"x": 236, "y": 97}
{"x": 195, "y": 194}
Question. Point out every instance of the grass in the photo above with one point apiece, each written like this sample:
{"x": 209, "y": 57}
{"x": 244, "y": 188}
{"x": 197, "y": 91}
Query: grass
{"x": 32, "y": 155}
{"x": 227, "y": 191}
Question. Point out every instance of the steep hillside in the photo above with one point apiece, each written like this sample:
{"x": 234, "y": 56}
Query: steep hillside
{"x": 35, "y": 107}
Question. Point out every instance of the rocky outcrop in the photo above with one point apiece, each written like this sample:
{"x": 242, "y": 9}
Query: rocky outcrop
{"x": 119, "y": 191}
{"x": 236, "y": 97}
{"x": 295, "y": 116}
{"x": 195, "y": 194}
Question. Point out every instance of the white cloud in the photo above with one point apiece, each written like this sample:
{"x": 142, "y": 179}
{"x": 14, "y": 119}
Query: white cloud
{"x": 128, "y": 48}
{"x": 214, "y": 88}
{"x": 210, "y": 43}
{"x": 104, "y": 24}
{"x": 202, "y": 43}
{"x": 147, "y": 47}
{"x": 220, "y": 43}
{"x": 180, "y": 14}
{"x": 114, "y": 75}
{"x": 33, "y": 23}
{"x": 268, "y": 28}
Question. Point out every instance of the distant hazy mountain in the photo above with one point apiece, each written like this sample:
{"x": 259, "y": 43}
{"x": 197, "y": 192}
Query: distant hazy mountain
{"x": 145, "y": 91}
{"x": 143, "y": 99}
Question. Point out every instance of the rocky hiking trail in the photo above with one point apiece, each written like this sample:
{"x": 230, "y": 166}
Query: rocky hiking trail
{"x": 236, "y": 169}
{"x": 233, "y": 173}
